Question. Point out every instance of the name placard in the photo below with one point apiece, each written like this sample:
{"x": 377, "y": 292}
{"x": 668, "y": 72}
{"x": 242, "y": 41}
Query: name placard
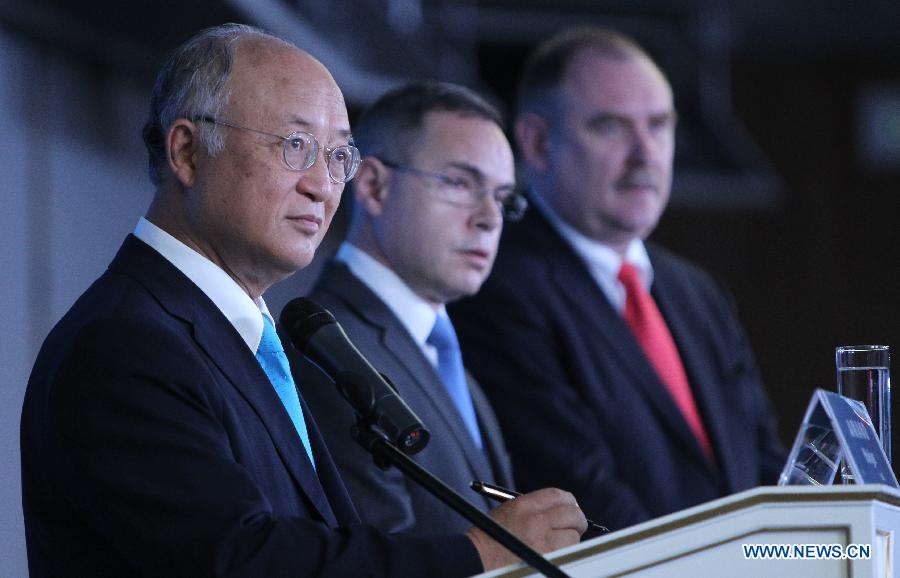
{"x": 836, "y": 428}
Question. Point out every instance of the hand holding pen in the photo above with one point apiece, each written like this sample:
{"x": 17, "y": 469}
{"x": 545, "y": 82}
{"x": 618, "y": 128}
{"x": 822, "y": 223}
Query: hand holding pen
{"x": 500, "y": 494}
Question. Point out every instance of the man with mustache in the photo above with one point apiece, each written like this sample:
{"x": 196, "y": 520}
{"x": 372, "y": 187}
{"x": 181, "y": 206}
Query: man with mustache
{"x": 618, "y": 370}
{"x": 435, "y": 184}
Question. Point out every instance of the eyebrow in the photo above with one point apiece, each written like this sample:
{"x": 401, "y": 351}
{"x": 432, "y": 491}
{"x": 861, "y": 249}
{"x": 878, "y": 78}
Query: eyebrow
{"x": 671, "y": 114}
{"x": 476, "y": 173}
{"x": 306, "y": 125}
{"x": 603, "y": 115}
{"x": 609, "y": 115}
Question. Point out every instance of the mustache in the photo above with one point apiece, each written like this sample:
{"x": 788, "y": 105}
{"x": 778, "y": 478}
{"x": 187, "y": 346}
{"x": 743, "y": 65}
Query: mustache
{"x": 642, "y": 177}
{"x": 478, "y": 249}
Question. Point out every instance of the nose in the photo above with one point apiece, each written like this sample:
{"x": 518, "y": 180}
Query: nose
{"x": 487, "y": 215}
{"x": 316, "y": 183}
{"x": 642, "y": 145}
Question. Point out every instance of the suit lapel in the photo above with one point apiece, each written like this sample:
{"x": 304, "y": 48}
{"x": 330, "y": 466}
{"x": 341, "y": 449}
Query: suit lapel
{"x": 575, "y": 284}
{"x": 424, "y": 376}
{"x": 683, "y": 320}
{"x": 339, "y": 508}
{"x": 245, "y": 373}
{"x": 395, "y": 339}
{"x": 491, "y": 436}
{"x": 229, "y": 353}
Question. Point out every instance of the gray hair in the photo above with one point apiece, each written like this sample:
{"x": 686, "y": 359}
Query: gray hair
{"x": 191, "y": 84}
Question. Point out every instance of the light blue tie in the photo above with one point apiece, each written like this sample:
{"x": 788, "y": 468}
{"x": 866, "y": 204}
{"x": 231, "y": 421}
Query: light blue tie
{"x": 450, "y": 368}
{"x": 274, "y": 362}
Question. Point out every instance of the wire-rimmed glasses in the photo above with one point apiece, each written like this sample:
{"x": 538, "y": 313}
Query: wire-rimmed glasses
{"x": 301, "y": 149}
{"x": 467, "y": 190}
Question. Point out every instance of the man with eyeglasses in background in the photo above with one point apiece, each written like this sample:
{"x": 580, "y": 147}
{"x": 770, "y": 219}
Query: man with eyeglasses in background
{"x": 161, "y": 433}
{"x": 436, "y": 182}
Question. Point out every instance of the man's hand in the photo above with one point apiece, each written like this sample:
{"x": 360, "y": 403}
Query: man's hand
{"x": 546, "y": 520}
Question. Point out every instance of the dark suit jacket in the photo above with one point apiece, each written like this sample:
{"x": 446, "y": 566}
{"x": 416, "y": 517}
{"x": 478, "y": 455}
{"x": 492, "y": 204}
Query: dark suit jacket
{"x": 385, "y": 498}
{"x": 579, "y": 403}
{"x": 153, "y": 444}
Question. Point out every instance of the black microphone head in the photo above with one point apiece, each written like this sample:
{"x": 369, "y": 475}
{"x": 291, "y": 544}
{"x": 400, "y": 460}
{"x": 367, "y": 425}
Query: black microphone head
{"x": 301, "y": 318}
{"x": 319, "y": 337}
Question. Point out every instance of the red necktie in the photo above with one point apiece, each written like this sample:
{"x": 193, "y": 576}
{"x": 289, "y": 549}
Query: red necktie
{"x": 650, "y": 329}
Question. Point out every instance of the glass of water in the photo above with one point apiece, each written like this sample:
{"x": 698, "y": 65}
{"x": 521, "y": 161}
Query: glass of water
{"x": 863, "y": 373}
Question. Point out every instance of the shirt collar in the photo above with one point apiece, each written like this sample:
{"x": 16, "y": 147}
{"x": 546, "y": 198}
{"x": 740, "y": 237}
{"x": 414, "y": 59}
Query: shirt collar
{"x": 234, "y": 303}
{"x": 600, "y": 258}
{"x": 416, "y": 314}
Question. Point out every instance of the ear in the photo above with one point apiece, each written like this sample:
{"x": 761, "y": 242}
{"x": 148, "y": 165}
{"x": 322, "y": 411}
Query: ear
{"x": 370, "y": 186}
{"x": 532, "y": 137}
{"x": 182, "y": 141}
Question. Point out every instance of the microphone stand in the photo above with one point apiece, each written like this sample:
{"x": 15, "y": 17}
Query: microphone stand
{"x": 387, "y": 455}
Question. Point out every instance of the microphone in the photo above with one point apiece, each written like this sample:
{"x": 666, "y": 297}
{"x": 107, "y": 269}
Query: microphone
{"x": 319, "y": 337}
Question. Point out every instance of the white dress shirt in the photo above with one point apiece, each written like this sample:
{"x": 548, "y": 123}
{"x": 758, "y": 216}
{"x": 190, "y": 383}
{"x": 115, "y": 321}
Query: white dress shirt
{"x": 240, "y": 310}
{"x": 414, "y": 313}
{"x": 603, "y": 262}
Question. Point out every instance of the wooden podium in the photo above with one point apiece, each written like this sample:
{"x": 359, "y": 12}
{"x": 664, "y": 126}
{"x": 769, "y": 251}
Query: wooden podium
{"x": 707, "y": 540}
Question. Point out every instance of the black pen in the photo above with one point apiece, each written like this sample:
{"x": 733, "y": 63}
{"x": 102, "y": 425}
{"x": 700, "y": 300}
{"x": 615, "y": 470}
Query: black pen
{"x": 503, "y": 494}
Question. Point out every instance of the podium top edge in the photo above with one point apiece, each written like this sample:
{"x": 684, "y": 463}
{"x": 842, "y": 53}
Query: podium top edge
{"x": 733, "y": 503}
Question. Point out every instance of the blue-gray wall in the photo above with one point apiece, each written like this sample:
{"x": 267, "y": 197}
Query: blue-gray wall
{"x": 73, "y": 184}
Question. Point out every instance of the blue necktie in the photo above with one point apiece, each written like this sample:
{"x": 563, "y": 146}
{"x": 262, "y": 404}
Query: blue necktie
{"x": 450, "y": 368}
{"x": 274, "y": 362}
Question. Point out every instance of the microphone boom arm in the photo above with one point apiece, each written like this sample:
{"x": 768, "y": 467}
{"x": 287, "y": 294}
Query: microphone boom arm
{"x": 386, "y": 455}
{"x": 386, "y": 427}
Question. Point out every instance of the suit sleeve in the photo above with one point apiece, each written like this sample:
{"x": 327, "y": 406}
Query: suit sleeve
{"x": 143, "y": 454}
{"x": 523, "y": 361}
{"x": 755, "y": 399}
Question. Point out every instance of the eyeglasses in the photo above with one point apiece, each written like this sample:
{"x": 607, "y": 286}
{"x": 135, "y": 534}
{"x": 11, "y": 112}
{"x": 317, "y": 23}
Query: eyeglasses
{"x": 467, "y": 190}
{"x": 300, "y": 150}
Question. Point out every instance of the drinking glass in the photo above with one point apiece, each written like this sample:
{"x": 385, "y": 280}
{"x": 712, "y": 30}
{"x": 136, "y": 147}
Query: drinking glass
{"x": 863, "y": 373}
